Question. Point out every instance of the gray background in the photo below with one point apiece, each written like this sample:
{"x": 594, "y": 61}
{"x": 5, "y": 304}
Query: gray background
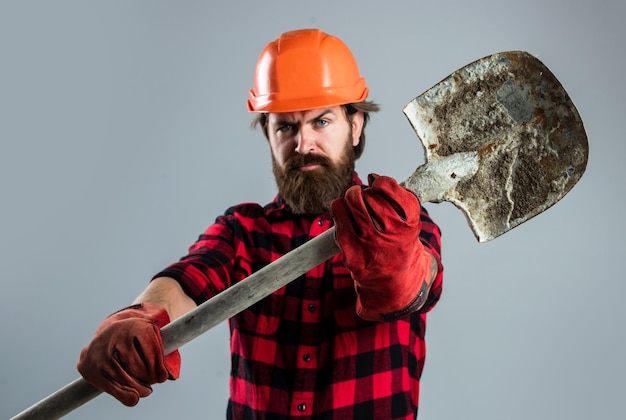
{"x": 124, "y": 133}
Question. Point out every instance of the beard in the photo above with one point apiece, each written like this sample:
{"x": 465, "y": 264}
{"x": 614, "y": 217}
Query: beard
{"x": 311, "y": 192}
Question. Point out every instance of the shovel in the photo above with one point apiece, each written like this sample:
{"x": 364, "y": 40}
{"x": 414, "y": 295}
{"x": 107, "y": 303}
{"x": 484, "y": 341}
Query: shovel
{"x": 503, "y": 142}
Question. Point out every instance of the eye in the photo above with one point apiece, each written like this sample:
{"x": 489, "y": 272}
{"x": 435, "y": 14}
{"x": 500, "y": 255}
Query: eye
{"x": 285, "y": 128}
{"x": 322, "y": 122}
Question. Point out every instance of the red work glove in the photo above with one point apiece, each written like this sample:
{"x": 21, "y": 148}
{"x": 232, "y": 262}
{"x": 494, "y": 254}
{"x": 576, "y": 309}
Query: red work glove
{"x": 126, "y": 356}
{"x": 377, "y": 229}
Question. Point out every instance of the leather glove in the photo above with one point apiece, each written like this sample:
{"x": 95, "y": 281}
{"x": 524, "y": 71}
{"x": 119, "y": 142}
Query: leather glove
{"x": 126, "y": 356}
{"x": 377, "y": 229}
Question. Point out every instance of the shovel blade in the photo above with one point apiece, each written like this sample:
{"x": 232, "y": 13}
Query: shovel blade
{"x": 531, "y": 144}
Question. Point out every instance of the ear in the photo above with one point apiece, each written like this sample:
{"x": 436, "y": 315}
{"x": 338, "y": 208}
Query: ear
{"x": 357, "y": 127}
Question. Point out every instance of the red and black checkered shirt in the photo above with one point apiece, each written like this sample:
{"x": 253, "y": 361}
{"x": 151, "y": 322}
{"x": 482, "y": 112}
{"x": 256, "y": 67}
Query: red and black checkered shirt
{"x": 302, "y": 352}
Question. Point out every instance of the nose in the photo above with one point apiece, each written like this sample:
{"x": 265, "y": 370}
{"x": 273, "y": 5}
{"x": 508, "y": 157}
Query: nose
{"x": 305, "y": 141}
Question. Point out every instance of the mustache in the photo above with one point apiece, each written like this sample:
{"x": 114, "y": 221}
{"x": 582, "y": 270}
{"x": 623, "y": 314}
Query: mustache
{"x": 297, "y": 161}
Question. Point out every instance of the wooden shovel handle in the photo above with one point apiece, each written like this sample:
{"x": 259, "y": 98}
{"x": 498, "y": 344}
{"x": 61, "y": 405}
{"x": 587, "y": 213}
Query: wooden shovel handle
{"x": 204, "y": 317}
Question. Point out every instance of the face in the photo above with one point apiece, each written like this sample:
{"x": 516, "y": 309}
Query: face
{"x": 312, "y": 155}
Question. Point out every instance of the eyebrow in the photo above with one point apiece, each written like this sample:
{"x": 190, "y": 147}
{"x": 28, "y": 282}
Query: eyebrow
{"x": 284, "y": 121}
{"x": 324, "y": 112}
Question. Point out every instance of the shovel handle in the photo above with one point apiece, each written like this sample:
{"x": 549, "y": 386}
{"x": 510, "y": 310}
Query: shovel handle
{"x": 61, "y": 402}
{"x": 202, "y": 318}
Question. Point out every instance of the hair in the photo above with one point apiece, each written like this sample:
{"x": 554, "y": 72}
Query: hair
{"x": 260, "y": 120}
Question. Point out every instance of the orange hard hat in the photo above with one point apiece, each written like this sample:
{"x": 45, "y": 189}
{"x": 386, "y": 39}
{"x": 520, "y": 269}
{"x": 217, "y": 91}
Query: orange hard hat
{"x": 305, "y": 69}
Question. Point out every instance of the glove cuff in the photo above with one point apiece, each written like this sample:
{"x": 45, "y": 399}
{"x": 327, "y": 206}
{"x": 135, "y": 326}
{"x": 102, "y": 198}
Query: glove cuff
{"x": 400, "y": 295}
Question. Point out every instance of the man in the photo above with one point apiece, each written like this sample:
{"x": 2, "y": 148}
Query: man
{"x": 345, "y": 340}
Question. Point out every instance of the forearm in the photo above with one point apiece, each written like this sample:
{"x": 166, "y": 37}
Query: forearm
{"x": 168, "y": 293}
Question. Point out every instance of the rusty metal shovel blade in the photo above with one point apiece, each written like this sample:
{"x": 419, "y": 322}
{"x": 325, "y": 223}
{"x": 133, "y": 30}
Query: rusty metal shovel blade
{"x": 506, "y": 134}
{"x": 503, "y": 142}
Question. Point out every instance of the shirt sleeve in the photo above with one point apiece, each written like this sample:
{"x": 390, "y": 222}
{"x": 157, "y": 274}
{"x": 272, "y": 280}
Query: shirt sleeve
{"x": 207, "y": 269}
{"x": 430, "y": 237}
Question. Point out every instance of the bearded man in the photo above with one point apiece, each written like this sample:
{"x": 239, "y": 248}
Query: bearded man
{"x": 346, "y": 339}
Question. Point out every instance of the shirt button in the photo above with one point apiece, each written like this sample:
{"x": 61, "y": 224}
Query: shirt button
{"x": 301, "y": 407}
{"x": 320, "y": 222}
{"x": 306, "y": 357}
{"x": 312, "y": 308}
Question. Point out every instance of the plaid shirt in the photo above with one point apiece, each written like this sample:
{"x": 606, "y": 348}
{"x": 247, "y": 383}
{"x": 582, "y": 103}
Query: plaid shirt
{"x": 302, "y": 352}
